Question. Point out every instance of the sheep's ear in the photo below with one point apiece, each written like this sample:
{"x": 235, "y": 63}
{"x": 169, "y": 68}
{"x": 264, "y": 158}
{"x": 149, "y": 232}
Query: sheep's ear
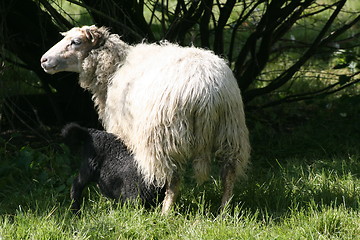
{"x": 93, "y": 35}
{"x": 63, "y": 33}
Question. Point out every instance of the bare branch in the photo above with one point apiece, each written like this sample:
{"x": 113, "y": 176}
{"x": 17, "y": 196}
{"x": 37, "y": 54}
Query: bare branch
{"x": 275, "y": 22}
{"x": 204, "y": 23}
{"x": 242, "y": 18}
{"x": 63, "y": 23}
{"x": 331, "y": 89}
{"x": 105, "y": 16}
{"x": 179, "y": 28}
{"x": 286, "y": 75}
{"x": 225, "y": 13}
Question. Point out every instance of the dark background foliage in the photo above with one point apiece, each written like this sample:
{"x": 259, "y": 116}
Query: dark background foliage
{"x": 275, "y": 48}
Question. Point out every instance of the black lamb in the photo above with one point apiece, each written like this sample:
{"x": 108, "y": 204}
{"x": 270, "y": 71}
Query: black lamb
{"x": 107, "y": 162}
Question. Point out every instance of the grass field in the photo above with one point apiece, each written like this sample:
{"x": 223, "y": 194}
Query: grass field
{"x": 304, "y": 184}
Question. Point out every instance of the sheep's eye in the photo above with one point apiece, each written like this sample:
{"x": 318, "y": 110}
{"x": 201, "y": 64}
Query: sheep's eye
{"x": 76, "y": 42}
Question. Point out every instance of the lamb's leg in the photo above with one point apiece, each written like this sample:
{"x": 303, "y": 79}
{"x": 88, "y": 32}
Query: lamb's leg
{"x": 228, "y": 181}
{"x": 78, "y": 186}
{"x": 76, "y": 193}
{"x": 172, "y": 190}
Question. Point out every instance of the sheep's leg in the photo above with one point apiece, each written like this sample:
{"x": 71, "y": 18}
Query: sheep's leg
{"x": 228, "y": 181}
{"x": 172, "y": 190}
{"x": 202, "y": 168}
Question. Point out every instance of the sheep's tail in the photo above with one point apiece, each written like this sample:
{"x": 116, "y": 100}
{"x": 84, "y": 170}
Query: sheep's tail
{"x": 232, "y": 140}
{"x": 223, "y": 133}
{"x": 233, "y": 143}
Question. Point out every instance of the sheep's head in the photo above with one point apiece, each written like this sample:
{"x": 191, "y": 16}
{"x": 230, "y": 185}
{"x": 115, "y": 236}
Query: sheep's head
{"x": 69, "y": 53}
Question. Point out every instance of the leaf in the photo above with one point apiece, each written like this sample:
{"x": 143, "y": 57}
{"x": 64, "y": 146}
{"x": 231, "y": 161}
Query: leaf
{"x": 60, "y": 188}
{"x": 344, "y": 79}
{"x": 341, "y": 66}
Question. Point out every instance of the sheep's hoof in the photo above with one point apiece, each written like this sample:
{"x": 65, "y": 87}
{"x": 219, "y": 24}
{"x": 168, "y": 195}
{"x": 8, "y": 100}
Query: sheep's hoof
{"x": 167, "y": 206}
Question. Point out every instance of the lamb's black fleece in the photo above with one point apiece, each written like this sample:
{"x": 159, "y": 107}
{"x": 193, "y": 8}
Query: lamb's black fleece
{"x": 107, "y": 162}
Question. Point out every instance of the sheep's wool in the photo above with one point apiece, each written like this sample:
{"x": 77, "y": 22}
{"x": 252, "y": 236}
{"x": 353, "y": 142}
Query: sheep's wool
{"x": 170, "y": 105}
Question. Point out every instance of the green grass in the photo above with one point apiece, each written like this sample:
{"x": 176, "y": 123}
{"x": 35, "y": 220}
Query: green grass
{"x": 304, "y": 184}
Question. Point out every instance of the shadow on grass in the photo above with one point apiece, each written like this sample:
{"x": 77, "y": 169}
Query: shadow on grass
{"x": 302, "y": 154}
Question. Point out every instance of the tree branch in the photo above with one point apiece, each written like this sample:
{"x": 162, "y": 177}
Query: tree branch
{"x": 273, "y": 17}
{"x": 204, "y": 23}
{"x": 242, "y": 18}
{"x": 310, "y": 95}
{"x": 63, "y": 23}
{"x": 287, "y": 75}
{"x": 110, "y": 18}
{"x": 225, "y": 13}
{"x": 178, "y": 28}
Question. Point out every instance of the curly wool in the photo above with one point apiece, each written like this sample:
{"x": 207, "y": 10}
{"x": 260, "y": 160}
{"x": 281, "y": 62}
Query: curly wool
{"x": 99, "y": 66}
{"x": 169, "y": 104}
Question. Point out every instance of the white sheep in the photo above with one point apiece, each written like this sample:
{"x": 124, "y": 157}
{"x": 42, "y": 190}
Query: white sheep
{"x": 169, "y": 104}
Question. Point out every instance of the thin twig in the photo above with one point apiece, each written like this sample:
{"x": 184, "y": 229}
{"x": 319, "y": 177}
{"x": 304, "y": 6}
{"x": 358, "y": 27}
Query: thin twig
{"x": 138, "y": 36}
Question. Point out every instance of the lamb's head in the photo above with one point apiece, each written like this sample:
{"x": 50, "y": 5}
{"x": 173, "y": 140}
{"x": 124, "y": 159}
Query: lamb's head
{"x": 69, "y": 53}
